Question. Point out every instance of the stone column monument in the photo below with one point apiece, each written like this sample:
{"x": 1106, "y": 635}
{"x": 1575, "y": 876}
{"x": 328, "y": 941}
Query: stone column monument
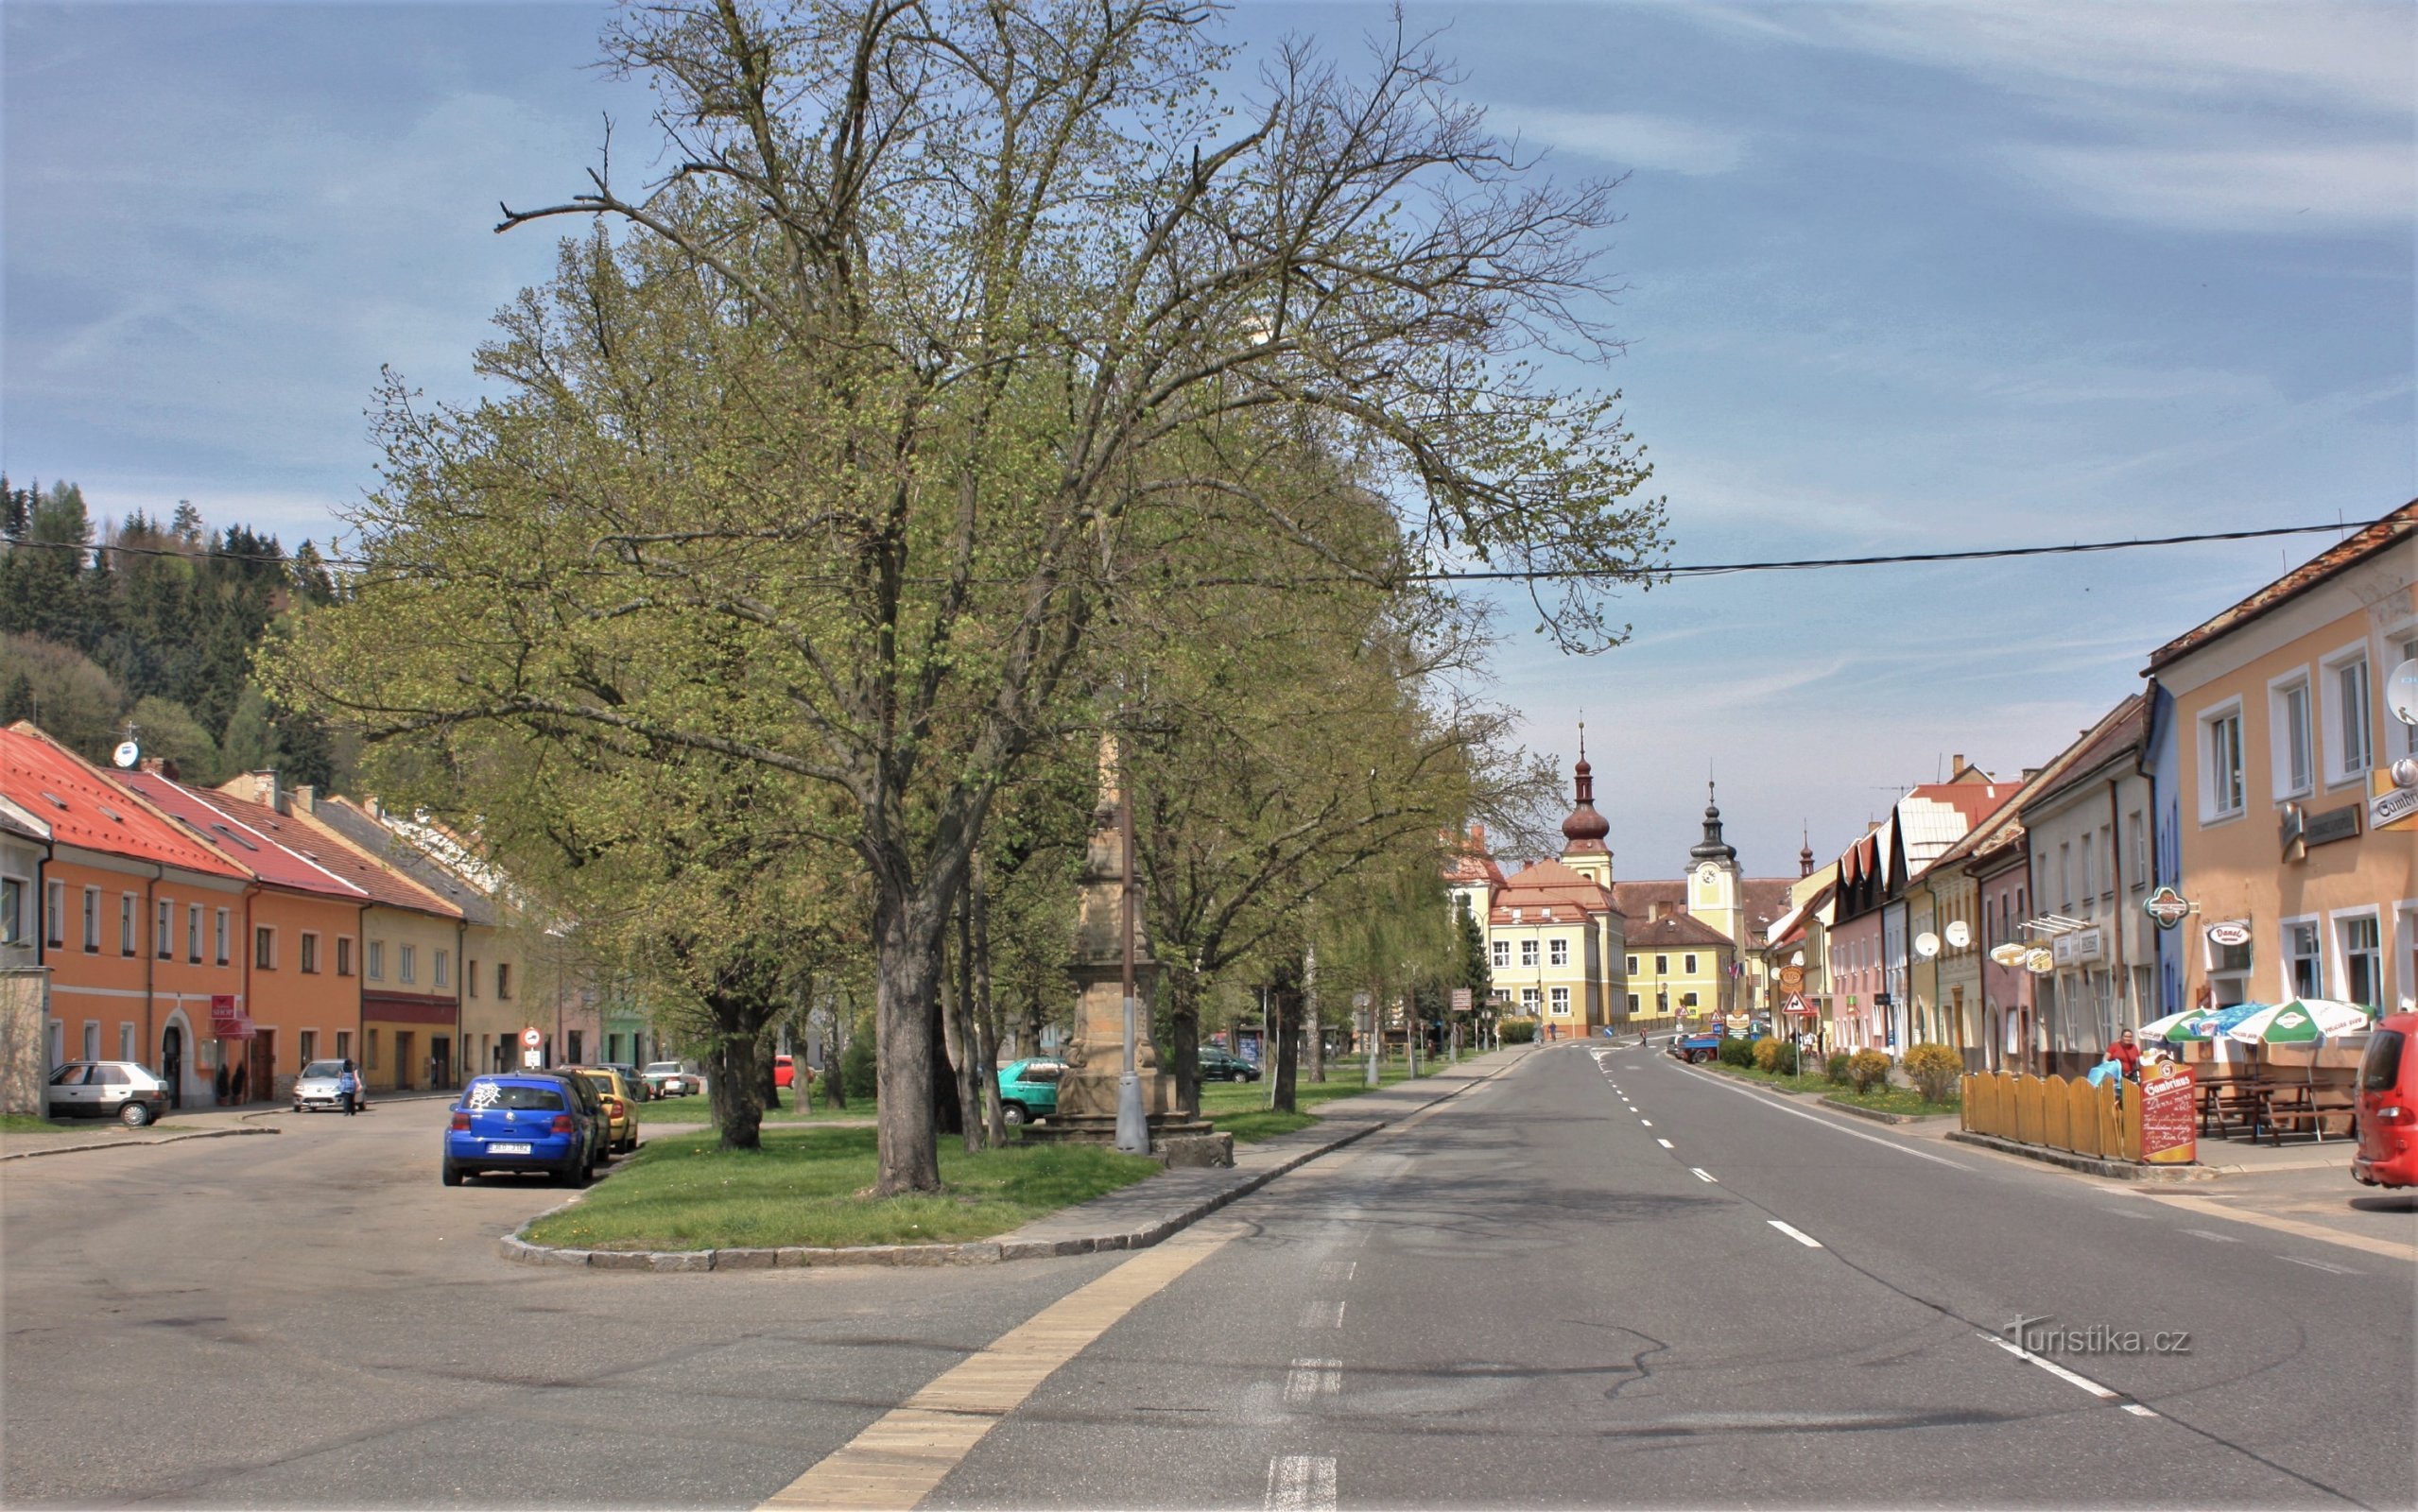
{"x": 1096, "y": 1055}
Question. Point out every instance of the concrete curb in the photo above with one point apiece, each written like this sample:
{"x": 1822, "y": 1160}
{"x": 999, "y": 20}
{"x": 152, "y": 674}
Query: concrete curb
{"x": 128, "y": 1144}
{"x": 1879, "y": 1117}
{"x": 2089, "y": 1164}
{"x": 974, "y": 1252}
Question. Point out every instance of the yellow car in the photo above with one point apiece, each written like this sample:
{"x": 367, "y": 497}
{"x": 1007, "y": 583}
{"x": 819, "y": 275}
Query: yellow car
{"x": 621, "y": 1106}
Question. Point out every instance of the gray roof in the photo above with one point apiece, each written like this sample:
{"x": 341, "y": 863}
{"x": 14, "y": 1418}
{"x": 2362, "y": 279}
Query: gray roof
{"x": 338, "y": 814}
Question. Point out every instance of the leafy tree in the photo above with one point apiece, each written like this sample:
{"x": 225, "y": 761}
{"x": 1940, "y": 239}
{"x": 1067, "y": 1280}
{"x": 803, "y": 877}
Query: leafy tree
{"x": 70, "y": 697}
{"x": 935, "y": 305}
{"x": 165, "y": 728}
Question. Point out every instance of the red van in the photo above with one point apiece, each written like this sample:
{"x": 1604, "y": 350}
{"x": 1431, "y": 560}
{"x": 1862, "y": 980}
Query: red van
{"x": 2388, "y": 1106}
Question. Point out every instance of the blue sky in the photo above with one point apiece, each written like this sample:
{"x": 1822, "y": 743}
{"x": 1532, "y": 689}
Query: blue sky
{"x": 1900, "y": 277}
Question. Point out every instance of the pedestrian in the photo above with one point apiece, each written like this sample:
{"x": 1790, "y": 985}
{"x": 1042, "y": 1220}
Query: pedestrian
{"x": 2127, "y": 1055}
{"x": 348, "y": 1086}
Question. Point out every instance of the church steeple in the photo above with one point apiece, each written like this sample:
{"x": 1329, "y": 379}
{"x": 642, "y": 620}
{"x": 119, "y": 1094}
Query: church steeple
{"x": 1804, "y": 855}
{"x": 1713, "y": 847}
{"x": 1583, "y": 831}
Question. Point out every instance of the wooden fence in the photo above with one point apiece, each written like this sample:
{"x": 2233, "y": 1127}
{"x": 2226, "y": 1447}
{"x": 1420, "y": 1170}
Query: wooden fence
{"x": 2052, "y": 1111}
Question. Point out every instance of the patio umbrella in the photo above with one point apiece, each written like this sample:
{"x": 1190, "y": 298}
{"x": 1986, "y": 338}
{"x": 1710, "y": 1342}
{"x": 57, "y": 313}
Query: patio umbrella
{"x": 2300, "y": 1022}
{"x": 2159, "y": 1028}
{"x": 2210, "y": 1023}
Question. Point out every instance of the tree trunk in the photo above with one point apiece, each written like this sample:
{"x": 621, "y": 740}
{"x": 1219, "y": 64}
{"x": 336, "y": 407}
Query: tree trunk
{"x": 1312, "y": 1024}
{"x": 1183, "y": 1038}
{"x": 940, "y": 1083}
{"x": 986, "y": 1012}
{"x": 905, "y": 967}
{"x": 1284, "y": 1019}
{"x": 736, "y": 1070}
{"x": 961, "y": 1035}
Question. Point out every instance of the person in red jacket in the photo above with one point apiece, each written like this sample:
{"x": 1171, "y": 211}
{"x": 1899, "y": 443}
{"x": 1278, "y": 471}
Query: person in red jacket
{"x": 2126, "y": 1054}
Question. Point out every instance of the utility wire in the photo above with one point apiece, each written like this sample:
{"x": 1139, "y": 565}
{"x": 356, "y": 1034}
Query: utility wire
{"x": 1481, "y": 575}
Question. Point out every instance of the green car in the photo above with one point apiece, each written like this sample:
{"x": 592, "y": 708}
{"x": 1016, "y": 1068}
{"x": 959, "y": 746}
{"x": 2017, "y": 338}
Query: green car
{"x": 1028, "y": 1089}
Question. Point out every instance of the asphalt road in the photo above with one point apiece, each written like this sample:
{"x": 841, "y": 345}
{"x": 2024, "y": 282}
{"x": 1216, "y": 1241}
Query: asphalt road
{"x": 1526, "y": 1297}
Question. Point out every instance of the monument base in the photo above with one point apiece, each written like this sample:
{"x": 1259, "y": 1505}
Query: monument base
{"x": 1174, "y": 1141}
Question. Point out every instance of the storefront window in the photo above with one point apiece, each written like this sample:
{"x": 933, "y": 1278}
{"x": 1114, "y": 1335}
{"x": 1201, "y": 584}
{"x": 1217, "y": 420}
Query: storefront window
{"x": 2363, "y": 962}
{"x": 2304, "y": 971}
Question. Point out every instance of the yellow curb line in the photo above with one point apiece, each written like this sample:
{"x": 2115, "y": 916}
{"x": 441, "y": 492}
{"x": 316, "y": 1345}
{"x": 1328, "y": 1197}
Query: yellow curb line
{"x": 2207, "y": 1208}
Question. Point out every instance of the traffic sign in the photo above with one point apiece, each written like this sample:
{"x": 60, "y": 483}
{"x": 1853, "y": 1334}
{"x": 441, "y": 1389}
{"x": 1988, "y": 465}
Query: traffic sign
{"x": 530, "y": 1038}
{"x": 1461, "y": 999}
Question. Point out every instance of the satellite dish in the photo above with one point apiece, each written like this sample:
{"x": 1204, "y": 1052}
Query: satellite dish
{"x": 2401, "y": 692}
{"x": 1960, "y": 935}
{"x": 126, "y": 755}
{"x": 1927, "y": 944}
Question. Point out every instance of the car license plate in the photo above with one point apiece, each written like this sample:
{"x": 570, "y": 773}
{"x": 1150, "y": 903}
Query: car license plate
{"x": 508, "y": 1149}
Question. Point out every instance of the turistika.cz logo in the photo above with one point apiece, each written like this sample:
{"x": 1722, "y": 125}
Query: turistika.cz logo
{"x": 2044, "y": 1336}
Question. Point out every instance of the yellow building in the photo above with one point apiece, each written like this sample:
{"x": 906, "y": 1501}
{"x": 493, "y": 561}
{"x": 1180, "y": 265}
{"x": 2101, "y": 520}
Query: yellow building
{"x": 1697, "y": 945}
{"x": 1555, "y": 941}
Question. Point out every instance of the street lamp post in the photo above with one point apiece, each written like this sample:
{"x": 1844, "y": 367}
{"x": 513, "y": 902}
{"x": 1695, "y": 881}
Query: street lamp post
{"x": 1132, "y": 1124}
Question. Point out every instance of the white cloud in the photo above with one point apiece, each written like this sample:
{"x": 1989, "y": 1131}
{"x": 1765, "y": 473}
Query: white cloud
{"x": 1626, "y": 139}
{"x": 2274, "y": 191}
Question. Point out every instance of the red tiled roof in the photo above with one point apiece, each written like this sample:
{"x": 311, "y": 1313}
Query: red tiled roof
{"x": 2392, "y": 530}
{"x": 1675, "y": 929}
{"x": 1550, "y": 884}
{"x": 83, "y": 808}
{"x": 251, "y": 836}
{"x": 372, "y": 875}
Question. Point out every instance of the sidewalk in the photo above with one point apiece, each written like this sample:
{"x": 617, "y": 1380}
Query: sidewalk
{"x": 109, "y": 1134}
{"x": 1131, "y": 1217}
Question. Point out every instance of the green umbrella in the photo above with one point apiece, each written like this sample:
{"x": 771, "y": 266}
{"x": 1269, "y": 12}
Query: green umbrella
{"x": 2301, "y": 1022}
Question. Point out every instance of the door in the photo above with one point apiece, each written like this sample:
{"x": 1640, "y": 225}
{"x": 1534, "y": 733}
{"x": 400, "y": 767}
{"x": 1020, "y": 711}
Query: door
{"x": 262, "y": 1052}
{"x": 69, "y": 1097}
{"x": 406, "y": 1046}
{"x": 441, "y": 1060}
{"x": 172, "y": 1064}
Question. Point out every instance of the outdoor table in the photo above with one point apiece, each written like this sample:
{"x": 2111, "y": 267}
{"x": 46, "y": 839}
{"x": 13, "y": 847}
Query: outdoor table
{"x": 2298, "y": 1102}
{"x": 2227, "y": 1099}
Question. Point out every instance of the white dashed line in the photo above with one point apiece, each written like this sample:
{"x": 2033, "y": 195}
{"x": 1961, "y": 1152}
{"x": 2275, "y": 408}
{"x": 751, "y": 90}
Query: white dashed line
{"x": 1337, "y": 1271}
{"x": 1308, "y": 1380}
{"x": 1320, "y": 1312}
{"x": 1301, "y": 1482}
{"x": 2320, "y": 1265}
{"x": 2067, "y": 1376}
{"x": 1702, "y": 1174}
{"x": 1665, "y": 1144}
{"x": 1806, "y": 1239}
{"x": 1853, "y": 1134}
{"x": 2212, "y": 1236}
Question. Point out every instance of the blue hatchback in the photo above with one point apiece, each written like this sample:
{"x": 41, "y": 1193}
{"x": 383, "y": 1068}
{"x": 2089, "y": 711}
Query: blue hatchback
{"x": 508, "y": 1123}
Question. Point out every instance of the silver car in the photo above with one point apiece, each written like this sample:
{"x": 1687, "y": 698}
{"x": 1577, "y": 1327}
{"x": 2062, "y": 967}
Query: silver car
{"x": 106, "y": 1089}
{"x": 319, "y": 1087}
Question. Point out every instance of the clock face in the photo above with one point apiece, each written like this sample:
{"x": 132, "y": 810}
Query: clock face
{"x": 1705, "y": 874}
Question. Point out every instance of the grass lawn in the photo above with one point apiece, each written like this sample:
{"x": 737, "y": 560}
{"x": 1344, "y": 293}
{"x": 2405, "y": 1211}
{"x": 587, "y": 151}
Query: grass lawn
{"x": 1241, "y": 1107}
{"x": 28, "y": 1123}
{"x": 695, "y": 1110}
{"x": 681, "y": 1192}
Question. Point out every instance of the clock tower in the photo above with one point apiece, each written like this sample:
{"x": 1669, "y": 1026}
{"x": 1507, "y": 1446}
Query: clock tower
{"x": 1713, "y": 891}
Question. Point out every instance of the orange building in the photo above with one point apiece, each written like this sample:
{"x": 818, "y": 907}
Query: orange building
{"x": 140, "y": 925}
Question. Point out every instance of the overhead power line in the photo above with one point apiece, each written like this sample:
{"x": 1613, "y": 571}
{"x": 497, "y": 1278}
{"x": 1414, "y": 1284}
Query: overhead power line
{"x": 1497, "y": 574}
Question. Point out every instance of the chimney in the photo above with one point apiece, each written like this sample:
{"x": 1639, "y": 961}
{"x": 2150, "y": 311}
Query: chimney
{"x": 264, "y": 787}
{"x": 1956, "y": 765}
{"x": 306, "y": 797}
{"x": 2031, "y": 772}
{"x": 160, "y": 766}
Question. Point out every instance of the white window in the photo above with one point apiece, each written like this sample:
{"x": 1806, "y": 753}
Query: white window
{"x": 127, "y": 927}
{"x": 309, "y": 960}
{"x": 1502, "y": 959}
{"x": 2107, "y": 852}
{"x": 2347, "y": 686}
{"x": 126, "y": 1041}
{"x": 220, "y": 939}
{"x": 2402, "y": 740}
{"x": 1561, "y": 1001}
{"x": 1558, "y": 952}
{"x": 2066, "y": 876}
{"x": 1632, "y": 1002}
{"x": 264, "y": 949}
{"x": 93, "y": 919}
{"x": 1528, "y": 1000}
{"x": 12, "y": 910}
{"x": 164, "y": 929}
{"x": 2362, "y": 960}
{"x": 2295, "y": 743}
{"x": 1527, "y": 953}
{"x": 373, "y": 961}
{"x": 92, "y": 1040}
{"x": 443, "y": 965}
{"x": 2138, "y": 829}
{"x": 1661, "y": 966}
{"x": 2090, "y": 868}
{"x": 504, "y": 980}
{"x": 2304, "y": 967}
{"x": 308, "y": 1048}
{"x": 2220, "y": 796}
{"x": 2228, "y": 973}
{"x": 192, "y": 932}
{"x": 1633, "y": 966}
{"x": 1688, "y": 963}
{"x": 54, "y": 910}
{"x": 406, "y": 963}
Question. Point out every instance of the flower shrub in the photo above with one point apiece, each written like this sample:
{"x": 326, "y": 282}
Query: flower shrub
{"x": 1866, "y": 1069}
{"x": 1935, "y": 1069}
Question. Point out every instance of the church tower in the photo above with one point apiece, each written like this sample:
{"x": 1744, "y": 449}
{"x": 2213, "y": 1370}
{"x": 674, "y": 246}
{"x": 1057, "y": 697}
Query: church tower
{"x": 1582, "y": 833}
{"x": 1713, "y": 895}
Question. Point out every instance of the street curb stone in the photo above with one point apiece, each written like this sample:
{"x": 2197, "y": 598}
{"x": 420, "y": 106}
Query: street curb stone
{"x": 974, "y": 1252}
{"x": 128, "y": 1144}
{"x": 1879, "y": 1117}
{"x": 2089, "y": 1164}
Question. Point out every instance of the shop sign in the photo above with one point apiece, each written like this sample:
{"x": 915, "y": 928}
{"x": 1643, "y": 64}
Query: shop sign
{"x": 2331, "y": 825}
{"x": 2228, "y": 933}
{"x": 2169, "y": 1115}
{"x": 2394, "y": 808}
{"x": 2168, "y": 907}
{"x": 2079, "y": 948}
{"x": 1461, "y": 999}
{"x": 1793, "y": 979}
{"x": 227, "y": 1019}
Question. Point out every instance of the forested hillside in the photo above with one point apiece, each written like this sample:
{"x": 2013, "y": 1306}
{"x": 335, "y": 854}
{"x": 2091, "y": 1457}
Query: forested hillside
{"x": 150, "y": 623}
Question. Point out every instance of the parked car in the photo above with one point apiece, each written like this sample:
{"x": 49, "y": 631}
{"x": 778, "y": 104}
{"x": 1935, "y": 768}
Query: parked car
{"x": 106, "y": 1089}
{"x": 1028, "y": 1089}
{"x": 787, "y": 1073}
{"x": 524, "y": 1121}
{"x": 1696, "y": 1046}
{"x": 620, "y": 1106}
{"x": 631, "y": 1079}
{"x": 2388, "y": 1106}
{"x": 318, "y": 1087}
{"x": 670, "y": 1078}
{"x": 1224, "y": 1065}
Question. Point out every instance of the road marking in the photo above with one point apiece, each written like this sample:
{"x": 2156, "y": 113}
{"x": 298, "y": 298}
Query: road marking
{"x": 1301, "y": 1482}
{"x": 2298, "y": 1229}
{"x": 2121, "y": 1213}
{"x": 2067, "y": 1376}
{"x": 1320, "y": 1312}
{"x": 1646, "y": 1123}
{"x": 1702, "y": 1174}
{"x": 1853, "y": 1134}
{"x": 2321, "y": 1265}
{"x": 1806, "y": 1239}
{"x": 1665, "y": 1144}
{"x": 910, "y": 1450}
{"x": 1337, "y": 1271}
{"x": 2212, "y": 1235}
{"x": 1307, "y": 1379}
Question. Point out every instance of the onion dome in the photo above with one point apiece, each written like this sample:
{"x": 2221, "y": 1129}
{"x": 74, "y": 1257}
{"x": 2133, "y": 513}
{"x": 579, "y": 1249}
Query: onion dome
{"x": 1584, "y": 829}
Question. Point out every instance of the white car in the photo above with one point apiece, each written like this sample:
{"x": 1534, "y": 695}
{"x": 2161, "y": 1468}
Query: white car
{"x": 670, "y": 1078}
{"x": 106, "y": 1089}
{"x": 317, "y": 1088}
